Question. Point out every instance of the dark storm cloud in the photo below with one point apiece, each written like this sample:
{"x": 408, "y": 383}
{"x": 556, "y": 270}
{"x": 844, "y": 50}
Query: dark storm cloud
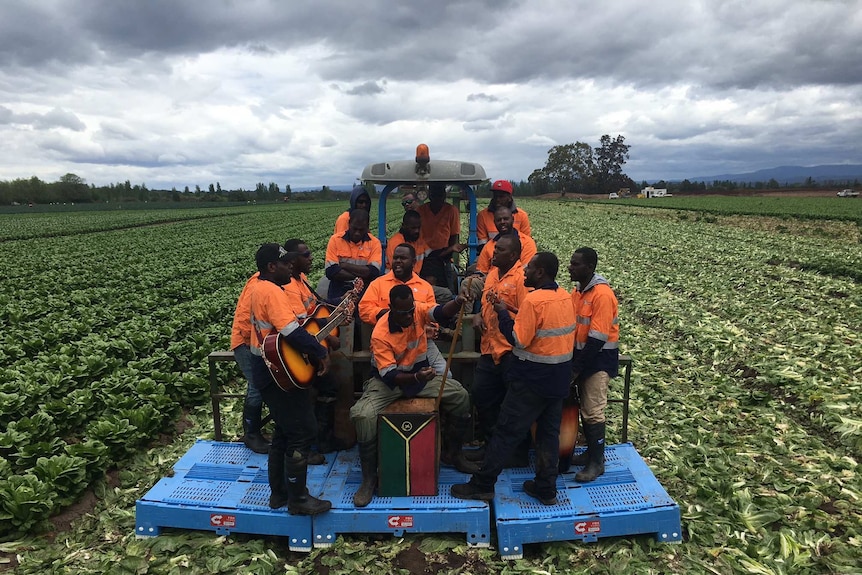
{"x": 721, "y": 44}
{"x": 237, "y": 85}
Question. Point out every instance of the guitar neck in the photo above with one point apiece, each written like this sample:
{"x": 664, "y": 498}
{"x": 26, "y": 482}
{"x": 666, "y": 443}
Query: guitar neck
{"x": 334, "y": 320}
{"x": 340, "y": 312}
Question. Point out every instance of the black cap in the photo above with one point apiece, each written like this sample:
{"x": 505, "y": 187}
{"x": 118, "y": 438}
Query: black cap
{"x": 272, "y": 252}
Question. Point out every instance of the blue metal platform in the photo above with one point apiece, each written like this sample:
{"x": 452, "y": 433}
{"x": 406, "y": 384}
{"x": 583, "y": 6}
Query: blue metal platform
{"x": 223, "y": 487}
{"x": 398, "y": 515}
{"x": 626, "y": 500}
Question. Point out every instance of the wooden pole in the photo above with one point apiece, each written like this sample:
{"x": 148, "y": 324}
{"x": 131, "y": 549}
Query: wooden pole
{"x": 452, "y": 349}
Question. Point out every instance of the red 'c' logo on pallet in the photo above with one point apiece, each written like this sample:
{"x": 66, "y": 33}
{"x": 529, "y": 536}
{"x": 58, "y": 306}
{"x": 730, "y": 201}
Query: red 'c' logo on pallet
{"x": 400, "y": 521}
{"x": 585, "y": 527}
{"x": 221, "y": 520}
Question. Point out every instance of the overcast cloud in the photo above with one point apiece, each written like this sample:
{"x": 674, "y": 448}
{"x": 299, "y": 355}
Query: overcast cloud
{"x": 306, "y": 93}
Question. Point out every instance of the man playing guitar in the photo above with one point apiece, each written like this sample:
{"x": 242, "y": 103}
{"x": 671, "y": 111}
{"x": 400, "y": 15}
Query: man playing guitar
{"x": 274, "y": 311}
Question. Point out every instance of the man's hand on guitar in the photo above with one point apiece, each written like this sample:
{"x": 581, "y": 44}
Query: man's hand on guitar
{"x": 492, "y": 298}
{"x": 333, "y": 343}
{"x": 323, "y": 366}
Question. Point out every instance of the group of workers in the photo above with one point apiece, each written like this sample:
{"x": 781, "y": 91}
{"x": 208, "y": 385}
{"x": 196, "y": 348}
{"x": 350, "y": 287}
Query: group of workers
{"x": 540, "y": 347}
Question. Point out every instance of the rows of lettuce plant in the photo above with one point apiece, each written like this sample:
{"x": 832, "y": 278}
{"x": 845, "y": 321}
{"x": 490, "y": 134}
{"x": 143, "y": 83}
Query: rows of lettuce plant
{"x": 103, "y": 340}
{"x": 749, "y": 381}
{"x": 789, "y": 206}
{"x": 746, "y": 389}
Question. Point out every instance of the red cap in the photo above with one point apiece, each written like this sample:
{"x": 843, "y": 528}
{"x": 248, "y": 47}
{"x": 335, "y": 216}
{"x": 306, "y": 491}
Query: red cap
{"x": 502, "y": 186}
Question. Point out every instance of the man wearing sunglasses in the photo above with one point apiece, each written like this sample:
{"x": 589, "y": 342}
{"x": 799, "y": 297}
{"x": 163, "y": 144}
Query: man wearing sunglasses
{"x": 400, "y": 368}
{"x": 410, "y": 201}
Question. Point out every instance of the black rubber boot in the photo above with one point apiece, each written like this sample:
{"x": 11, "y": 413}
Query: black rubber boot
{"x": 544, "y": 486}
{"x": 300, "y": 501}
{"x": 475, "y": 455}
{"x": 530, "y": 489}
{"x": 452, "y": 455}
{"x": 316, "y": 459}
{"x": 368, "y": 460}
{"x": 278, "y": 492}
{"x": 252, "y": 437}
{"x": 595, "y": 467}
{"x": 471, "y": 490}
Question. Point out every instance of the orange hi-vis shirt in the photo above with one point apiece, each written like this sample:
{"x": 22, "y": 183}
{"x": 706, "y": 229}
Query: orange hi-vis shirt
{"x": 368, "y": 252}
{"x": 376, "y": 298}
{"x": 300, "y": 287}
{"x": 395, "y": 349}
{"x": 437, "y": 228}
{"x": 340, "y": 249}
{"x": 545, "y": 327}
{"x": 240, "y": 330}
{"x": 542, "y": 337}
{"x": 486, "y": 229}
{"x": 597, "y": 310}
{"x": 419, "y": 245}
{"x": 273, "y": 310}
{"x": 510, "y": 289}
{"x": 342, "y": 223}
{"x": 528, "y": 250}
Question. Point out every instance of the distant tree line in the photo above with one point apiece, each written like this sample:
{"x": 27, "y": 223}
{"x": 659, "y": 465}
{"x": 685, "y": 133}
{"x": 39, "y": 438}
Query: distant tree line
{"x": 72, "y": 189}
{"x": 570, "y": 169}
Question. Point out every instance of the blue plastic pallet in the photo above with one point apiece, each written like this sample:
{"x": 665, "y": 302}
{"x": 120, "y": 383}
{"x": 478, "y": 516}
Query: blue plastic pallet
{"x": 223, "y": 487}
{"x": 397, "y": 515}
{"x": 626, "y": 500}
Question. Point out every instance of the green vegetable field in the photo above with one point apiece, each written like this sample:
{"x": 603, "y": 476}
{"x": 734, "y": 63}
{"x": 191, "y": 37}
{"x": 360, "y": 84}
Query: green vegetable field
{"x": 744, "y": 331}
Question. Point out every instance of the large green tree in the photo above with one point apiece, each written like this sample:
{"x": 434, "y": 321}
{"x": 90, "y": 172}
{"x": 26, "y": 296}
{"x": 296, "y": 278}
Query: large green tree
{"x": 578, "y": 168}
{"x": 569, "y": 168}
{"x": 610, "y": 157}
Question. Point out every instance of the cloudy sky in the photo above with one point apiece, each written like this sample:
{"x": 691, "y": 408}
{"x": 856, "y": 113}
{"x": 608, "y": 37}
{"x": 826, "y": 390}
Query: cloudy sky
{"x": 307, "y": 92}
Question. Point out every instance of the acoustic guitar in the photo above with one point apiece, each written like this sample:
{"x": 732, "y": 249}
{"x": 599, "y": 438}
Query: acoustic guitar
{"x": 292, "y": 369}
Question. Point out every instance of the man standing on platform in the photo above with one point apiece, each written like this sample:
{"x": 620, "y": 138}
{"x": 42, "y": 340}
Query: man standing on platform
{"x": 504, "y": 282}
{"x": 542, "y": 337}
{"x": 240, "y": 340}
{"x": 596, "y": 356}
{"x": 400, "y": 368}
{"x": 275, "y": 311}
{"x": 326, "y": 386}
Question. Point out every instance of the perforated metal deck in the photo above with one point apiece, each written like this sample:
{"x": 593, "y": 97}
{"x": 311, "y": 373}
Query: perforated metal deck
{"x": 223, "y": 487}
{"x": 626, "y": 500}
{"x": 398, "y": 515}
